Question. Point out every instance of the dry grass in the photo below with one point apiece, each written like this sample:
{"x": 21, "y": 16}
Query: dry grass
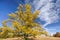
{"x": 37, "y": 38}
{"x": 48, "y": 38}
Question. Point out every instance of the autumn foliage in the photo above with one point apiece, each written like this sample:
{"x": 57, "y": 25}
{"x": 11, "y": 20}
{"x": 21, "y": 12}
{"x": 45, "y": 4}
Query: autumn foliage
{"x": 56, "y": 35}
{"x": 21, "y": 23}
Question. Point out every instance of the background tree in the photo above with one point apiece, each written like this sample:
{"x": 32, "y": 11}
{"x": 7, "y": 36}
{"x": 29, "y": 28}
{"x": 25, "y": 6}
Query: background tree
{"x": 22, "y": 23}
{"x": 57, "y": 34}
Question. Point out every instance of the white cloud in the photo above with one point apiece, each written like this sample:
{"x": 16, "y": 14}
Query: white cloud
{"x": 50, "y": 31}
{"x": 58, "y": 3}
{"x": 39, "y": 3}
{"x": 48, "y": 12}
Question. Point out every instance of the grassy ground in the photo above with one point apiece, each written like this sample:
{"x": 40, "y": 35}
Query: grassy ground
{"x": 37, "y": 38}
{"x": 48, "y": 38}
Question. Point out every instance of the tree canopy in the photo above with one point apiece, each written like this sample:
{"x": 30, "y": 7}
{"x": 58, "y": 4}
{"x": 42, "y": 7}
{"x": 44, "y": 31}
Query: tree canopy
{"x": 22, "y": 23}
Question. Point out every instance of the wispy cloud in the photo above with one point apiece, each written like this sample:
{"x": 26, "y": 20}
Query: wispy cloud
{"x": 53, "y": 30}
{"x": 50, "y": 31}
{"x": 48, "y": 11}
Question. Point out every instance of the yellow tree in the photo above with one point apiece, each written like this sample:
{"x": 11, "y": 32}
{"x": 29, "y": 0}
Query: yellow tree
{"x": 6, "y": 31}
{"x": 22, "y": 22}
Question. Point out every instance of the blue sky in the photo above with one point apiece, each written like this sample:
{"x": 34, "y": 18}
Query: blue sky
{"x": 49, "y": 12}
